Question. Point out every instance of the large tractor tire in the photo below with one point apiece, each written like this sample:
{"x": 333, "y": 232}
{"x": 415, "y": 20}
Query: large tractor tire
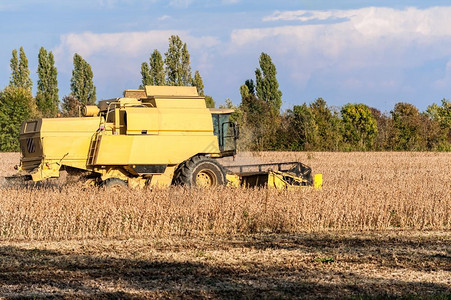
{"x": 114, "y": 184}
{"x": 200, "y": 171}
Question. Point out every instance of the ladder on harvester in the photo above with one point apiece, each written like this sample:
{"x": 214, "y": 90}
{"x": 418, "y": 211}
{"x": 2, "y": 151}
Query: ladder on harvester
{"x": 93, "y": 149}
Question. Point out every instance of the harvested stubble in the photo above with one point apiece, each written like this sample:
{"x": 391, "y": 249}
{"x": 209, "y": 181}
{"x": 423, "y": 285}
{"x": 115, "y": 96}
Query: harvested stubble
{"x": 362, "y": 191}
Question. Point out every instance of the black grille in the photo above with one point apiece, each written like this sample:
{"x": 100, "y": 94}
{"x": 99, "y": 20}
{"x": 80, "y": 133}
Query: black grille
{"x": 31, "y": 148}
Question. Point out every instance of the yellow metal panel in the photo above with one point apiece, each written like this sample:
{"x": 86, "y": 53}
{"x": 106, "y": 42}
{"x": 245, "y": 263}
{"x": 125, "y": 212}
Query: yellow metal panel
{"x": 69, "y": 137}
{"x": 62, "y": 140}
{"x": 186, "y": 91}
{"x": 186, "y": 103}
{"x": 65, "y": 125}
{"x": 71, "y": 147}
{"x": 318, "y": 181}
{"x": 185, "y": 120}
{"x": 152, "y": 149}
{"x": 139, "y": 119}
{"x": 129, "y": 101}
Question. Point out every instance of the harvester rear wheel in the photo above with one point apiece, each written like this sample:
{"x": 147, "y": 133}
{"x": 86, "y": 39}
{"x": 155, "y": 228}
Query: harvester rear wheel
{"x": 200, "y": 171}
{"x": 114, "y": 183}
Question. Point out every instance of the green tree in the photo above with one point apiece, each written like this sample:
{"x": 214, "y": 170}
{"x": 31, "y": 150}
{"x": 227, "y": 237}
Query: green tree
{"x": 81, "y": 84}
{"x": 250, "y": 86}
{"x": 442, "y": 115}
{"x": 328, "y": 126}
{"x": 198, "y": 83}
{"x": 20, "y": 73}
{"x": 145, "y": 74}
{"x": 298, "y": 129}
{"x": 156, "y": 68}
{"x": 259, "y": 124}
{"x": 386, "y": 132}
{"x": 70, "y": 106}
{"x": 432, "y": 135}
{"x": 185, "y": 72}
{"x": 14, "y": 65}
{"x": 407, "y": 122}
{"x": 267, "y": 85}
{"x": 360, "y": 127}
{"x": 16, "y": 106}
{"x": 209, "y": 101}
{"x": 47, "y": 94}
{"x": 244, "y": 91}
{"x": 173, "y": 61}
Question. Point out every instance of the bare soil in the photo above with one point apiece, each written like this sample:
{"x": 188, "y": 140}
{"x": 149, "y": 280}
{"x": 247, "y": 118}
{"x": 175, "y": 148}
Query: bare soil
{"x": 339, "y": 265}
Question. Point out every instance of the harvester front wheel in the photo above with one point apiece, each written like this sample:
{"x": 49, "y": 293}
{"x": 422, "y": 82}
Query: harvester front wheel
{"x": 200, "y": 171}
{"x": 114, "y": 183}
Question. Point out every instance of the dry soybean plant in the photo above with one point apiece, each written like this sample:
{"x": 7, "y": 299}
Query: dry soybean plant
{"x": 362, "y": 191}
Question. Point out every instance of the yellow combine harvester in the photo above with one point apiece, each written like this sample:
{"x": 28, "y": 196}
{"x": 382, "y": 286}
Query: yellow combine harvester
{"x": 152, "y": 137}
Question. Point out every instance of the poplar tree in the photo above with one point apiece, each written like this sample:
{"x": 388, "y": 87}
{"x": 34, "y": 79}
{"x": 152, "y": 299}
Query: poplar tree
{"x": 185, "y": 72}
{"x": 244, "y": 91}
{"x": 250, "y": 86}
{"x": 177, "y": 61}
{"x": 173, "y": 61}
{"x": 198, "y": 83}
{"x": 14, "y": 64}
{"x": 20, "y": 73}
{"x": 267, "y": 85}
{"x": 145, "y": 75}
{"x": 152, "y": 73}
{"x": 81, "y": 84}
{"x": 156, "y": 68}
{"x": 47, "y": 94}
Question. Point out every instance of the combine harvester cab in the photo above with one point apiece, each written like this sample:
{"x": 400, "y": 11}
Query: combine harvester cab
{"x": 156, "y": 136}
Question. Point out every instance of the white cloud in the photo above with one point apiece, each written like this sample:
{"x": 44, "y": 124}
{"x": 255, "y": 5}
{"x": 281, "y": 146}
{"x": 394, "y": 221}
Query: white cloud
{"x": 116, "y": 57}
{"x": 306, "y": 15}
{"x": 117, "y": 44}
{"x": 126, "y": 44}
{"x": 164, "y": 17}
{"x": 346, "y": 40}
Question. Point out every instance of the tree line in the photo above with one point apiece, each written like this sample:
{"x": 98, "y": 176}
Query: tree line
{"x": 17, "y": 103}
{"x": 319, "y": 127}
{"x": 308, "y": 127}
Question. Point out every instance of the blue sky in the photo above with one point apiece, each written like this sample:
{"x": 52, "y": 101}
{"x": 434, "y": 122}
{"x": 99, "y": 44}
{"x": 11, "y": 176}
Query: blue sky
{"x": 373, "y": 52}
